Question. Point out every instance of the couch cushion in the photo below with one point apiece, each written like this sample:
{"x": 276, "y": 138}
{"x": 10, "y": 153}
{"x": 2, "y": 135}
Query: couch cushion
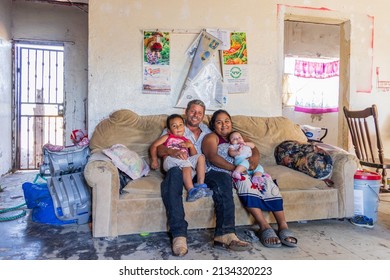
{"x": 128, "y": 128}
{"x": 267, "y": 133}
{"x": 286, "y": 178}
{"x": 289, "y": 179}
{"x": 148, "y": 186}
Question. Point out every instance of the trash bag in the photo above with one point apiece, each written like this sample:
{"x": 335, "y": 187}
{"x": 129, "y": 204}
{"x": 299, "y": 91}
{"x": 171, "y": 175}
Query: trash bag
{"x": 38, "y": 198}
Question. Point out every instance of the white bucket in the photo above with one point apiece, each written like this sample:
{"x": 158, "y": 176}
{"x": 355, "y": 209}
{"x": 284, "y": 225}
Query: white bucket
{"x": 366, "y": 193}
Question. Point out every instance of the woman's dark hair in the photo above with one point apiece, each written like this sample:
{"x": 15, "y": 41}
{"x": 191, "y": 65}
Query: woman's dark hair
{"x": 214, "y": 117}
{"x": 171, "y": 117}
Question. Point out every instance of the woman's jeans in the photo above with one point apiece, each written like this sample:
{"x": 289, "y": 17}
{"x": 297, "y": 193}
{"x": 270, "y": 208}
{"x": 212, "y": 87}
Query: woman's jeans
{"x": 172, "y": 191}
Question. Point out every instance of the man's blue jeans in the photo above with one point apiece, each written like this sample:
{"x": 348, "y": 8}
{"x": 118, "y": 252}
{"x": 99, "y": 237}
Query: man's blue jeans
{"x": 172, "y": 191}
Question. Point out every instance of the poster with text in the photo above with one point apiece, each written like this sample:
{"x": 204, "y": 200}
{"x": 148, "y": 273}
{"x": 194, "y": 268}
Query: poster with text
{"x": 156, "y": 68}
{"x": 235, "y": 64}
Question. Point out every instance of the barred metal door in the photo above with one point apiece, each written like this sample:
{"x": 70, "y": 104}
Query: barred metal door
{"x": 39, "y": 93}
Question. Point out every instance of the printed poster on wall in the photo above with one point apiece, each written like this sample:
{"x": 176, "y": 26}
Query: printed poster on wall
{"x": 156, "y": 68}
{"x": 235, "y": 64}
{"x": 223, "y": 35}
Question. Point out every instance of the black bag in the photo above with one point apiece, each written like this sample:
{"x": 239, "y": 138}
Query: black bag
{"x": 124, "y": 179}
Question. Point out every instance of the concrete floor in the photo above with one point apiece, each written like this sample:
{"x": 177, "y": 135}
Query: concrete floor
{"x": 22, "y": 239}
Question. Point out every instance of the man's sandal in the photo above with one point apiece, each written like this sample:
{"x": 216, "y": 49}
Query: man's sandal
{"x": 179, "y": 246}
{"x": 234, "y": 245}
{"x": 231, "y": 242}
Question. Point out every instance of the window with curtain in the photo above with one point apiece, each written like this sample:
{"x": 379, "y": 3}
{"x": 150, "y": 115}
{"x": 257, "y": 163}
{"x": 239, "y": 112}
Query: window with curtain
{"x": 311, "y": 85}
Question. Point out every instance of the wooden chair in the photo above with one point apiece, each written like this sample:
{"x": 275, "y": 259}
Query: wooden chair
{"x": 369, "y": 154}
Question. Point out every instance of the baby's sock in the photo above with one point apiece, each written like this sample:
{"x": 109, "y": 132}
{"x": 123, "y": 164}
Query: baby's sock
{"x": 258, "y": 180}
{"x": 236, "y": 175}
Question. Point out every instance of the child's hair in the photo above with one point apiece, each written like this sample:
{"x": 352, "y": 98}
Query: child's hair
{"x": 171, "y": 117}
{"x": 231, "y": 133}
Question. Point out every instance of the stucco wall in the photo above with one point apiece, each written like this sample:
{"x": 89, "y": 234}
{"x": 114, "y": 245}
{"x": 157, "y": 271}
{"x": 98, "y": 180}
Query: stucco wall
{"x": 42, "y": 21}
{"x": 115, "y": 53}
{"x": 5, "y": 86}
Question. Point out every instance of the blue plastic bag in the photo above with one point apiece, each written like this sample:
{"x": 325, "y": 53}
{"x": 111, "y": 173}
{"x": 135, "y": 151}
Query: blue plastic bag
{"x": 38, "y": 198}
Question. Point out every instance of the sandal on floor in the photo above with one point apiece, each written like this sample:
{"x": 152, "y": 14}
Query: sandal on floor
{"x": 234, "y": 245}
{"x": 266, "y": 235}
{"x": 285, "y": 234}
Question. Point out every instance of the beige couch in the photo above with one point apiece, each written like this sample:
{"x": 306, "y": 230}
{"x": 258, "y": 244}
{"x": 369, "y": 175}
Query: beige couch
{"x": 140, "y": 208}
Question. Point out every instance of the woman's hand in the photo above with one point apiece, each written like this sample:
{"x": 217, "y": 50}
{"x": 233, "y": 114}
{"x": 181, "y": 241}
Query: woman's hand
{"x": 250, "y": 144}
{"x": 254, "y": 159}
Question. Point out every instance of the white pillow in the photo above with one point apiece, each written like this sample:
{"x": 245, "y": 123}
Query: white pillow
{"x": 128, "y": 161}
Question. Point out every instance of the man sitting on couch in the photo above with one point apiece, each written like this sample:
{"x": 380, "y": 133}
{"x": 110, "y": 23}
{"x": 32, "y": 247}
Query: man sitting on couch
{"x": 172, "y": 189}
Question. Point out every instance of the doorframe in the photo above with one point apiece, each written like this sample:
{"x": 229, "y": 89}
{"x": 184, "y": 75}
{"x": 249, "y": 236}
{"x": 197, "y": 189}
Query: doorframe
{"x": 16, "y": 111}
{"x": 323, "y": 17}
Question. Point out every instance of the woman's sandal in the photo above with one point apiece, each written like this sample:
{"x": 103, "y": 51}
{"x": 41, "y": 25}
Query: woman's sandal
{"x": 286, "y": 234}
{"x": 265, "y": 237}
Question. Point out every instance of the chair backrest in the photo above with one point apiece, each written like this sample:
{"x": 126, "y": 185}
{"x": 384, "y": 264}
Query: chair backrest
{"x": 359, "y": 123}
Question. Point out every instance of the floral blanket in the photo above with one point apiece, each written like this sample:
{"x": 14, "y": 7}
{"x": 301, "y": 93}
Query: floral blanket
{"x": 304, "y": 157}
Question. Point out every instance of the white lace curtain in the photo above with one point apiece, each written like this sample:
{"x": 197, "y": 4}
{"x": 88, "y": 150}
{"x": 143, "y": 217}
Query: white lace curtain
{"x": 311, "y": 86}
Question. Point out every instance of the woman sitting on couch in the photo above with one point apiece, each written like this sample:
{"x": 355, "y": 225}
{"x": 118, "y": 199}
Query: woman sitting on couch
{"x": 215, "y": 147}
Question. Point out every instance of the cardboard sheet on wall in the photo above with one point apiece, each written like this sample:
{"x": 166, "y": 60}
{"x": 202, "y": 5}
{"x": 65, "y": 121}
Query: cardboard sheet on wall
{"x": 204, "y": 80}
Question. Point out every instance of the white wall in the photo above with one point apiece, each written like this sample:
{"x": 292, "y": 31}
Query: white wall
{"x": 42, "y": 21}
{"x": 5, "y": 86}
{"x": 115, "y": 53}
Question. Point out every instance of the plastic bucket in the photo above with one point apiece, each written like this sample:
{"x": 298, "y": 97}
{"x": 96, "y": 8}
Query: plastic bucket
{"x": 366, "y": 193}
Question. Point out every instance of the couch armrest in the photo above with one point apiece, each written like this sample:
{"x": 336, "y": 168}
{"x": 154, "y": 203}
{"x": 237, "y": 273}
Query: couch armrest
{"x": 103, "y": 177}
{"x": 345, "y": 165}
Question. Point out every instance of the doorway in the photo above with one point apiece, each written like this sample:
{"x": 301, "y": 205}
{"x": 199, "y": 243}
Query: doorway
{"x": 39, "y": 101}
{"x": 326, "y": 40}
{"x": 311, "y": 82}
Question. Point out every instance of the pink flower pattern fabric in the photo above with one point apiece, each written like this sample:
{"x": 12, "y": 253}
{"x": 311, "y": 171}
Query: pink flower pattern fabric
{"x": 127, "y": 161}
